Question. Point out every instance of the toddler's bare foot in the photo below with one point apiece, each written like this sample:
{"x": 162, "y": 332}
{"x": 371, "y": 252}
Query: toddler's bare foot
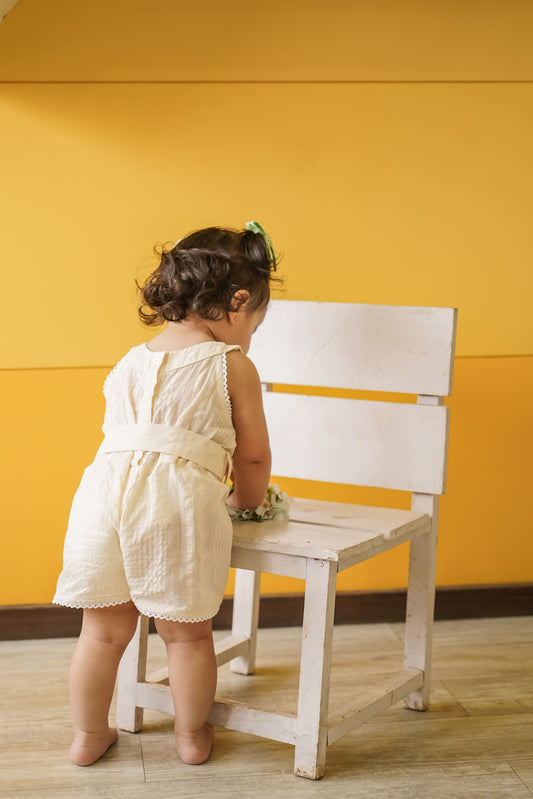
{"x": 194, "y": 747}
{"x": 88, "y": 747}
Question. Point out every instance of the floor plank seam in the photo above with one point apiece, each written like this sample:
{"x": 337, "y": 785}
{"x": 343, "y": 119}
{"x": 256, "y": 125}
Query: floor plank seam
{"x": 458, "y": 703}
{"x": 519, "y": 778}
{"x": 399, "y": 636}
{"x": 142, "y": 758}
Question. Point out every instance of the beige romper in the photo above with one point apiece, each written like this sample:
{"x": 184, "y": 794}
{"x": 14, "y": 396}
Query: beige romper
{"x": 149, "y": 520}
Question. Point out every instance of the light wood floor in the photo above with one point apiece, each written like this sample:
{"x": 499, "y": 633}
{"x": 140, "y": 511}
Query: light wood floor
{"x": 475, "y": 741}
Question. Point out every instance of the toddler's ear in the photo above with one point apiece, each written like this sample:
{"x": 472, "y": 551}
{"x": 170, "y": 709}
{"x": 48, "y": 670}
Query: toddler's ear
{"x": 239, "y": 300}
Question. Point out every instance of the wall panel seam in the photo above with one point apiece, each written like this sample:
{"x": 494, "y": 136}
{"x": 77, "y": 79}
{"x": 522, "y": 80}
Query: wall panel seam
{"x": 266, "y": 82}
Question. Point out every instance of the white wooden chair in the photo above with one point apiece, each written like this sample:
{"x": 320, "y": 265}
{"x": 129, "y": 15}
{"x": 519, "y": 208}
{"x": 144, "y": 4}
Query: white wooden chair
{"x": 369, "y": 443}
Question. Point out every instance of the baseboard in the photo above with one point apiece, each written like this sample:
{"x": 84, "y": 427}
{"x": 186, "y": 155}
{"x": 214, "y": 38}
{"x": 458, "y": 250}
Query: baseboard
{"x": 18, "y": 622}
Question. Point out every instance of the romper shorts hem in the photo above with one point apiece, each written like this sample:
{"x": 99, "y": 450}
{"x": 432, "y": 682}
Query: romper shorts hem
{"x": 165, "y": 614}
{"x": 181, "y": 621}
{"x": 88, "y": 605}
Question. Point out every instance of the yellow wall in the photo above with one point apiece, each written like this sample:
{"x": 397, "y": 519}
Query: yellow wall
{"x": 387, "y": 148}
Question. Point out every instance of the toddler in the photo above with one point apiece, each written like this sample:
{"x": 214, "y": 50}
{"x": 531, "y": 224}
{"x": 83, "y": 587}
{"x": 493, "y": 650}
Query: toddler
{"x": 149, "y": 529}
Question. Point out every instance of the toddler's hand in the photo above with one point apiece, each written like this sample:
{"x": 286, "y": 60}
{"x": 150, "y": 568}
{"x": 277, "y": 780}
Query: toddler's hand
{"x": 275, "y": 505}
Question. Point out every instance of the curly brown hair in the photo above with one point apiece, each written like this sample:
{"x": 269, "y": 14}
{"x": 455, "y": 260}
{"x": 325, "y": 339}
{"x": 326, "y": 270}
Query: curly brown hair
{"x": 203, "y": 271}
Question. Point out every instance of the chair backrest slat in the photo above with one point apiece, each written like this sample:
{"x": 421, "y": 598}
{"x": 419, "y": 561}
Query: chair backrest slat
{"x": 367, "y": 347}
{"x": 380, "y": 444}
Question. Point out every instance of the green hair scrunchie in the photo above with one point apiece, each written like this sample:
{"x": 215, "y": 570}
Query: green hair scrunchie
{"x": 255, "y": 227}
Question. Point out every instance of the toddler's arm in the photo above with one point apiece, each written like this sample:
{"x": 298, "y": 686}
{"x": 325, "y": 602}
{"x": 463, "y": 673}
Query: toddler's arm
{"x": 251, "y": 461}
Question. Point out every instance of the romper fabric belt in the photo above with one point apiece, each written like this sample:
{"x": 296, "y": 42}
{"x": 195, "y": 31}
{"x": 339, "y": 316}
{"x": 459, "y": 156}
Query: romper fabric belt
{"x": 177, "y": 441}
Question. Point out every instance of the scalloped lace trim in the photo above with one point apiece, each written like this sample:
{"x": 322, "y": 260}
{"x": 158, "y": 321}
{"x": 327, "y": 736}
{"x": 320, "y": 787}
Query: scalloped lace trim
{"x": 170, "y": 618}
{"x": 106, "y": 386}
{"x": 123, "y": 602}
{"x": 88, "y": 607}
{"x": 225, "y": 383}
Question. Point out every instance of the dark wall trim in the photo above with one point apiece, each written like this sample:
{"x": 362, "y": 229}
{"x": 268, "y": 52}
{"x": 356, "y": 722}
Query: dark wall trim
{"x": 19, "y": 622}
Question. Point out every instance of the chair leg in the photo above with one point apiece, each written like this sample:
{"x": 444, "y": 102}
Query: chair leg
{"x": 246, "y": 617}
{"x": 132, "y": 669}
{"x": 421, "y": 602}
{"x": 315, "y": 667}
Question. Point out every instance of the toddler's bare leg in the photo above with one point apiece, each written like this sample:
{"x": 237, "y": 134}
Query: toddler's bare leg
{"x": 192, "y": 673}
{"x": 105, "y": 633}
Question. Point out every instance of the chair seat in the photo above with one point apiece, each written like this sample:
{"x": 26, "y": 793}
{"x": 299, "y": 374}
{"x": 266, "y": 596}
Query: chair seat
{"x": 332, "y": 531}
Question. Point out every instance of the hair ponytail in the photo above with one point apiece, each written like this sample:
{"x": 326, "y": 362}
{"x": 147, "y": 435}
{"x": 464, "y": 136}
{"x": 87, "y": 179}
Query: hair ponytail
{"x": 201, "y": 273}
